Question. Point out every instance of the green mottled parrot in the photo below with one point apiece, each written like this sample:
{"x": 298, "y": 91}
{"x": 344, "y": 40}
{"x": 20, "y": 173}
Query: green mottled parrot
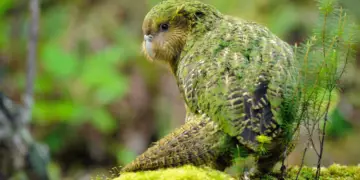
{"x": 236, "y": 78}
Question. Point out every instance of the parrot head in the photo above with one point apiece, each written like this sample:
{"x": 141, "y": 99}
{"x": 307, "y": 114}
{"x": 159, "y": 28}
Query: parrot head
{"x": 167, "y": 25}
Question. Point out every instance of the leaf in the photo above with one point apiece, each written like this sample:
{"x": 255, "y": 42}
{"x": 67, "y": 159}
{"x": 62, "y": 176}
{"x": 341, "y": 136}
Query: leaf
{"x": 102, "y": 120}
{"x": 47, "y": 112}
{"x": 101, "y": 74}
{"x": 55, "y": 21}
{"x": 5, "y": 5}
{"x": 96, "y": 72}
{"x": 44, "y": 85}
{"x": 59, "y": 63}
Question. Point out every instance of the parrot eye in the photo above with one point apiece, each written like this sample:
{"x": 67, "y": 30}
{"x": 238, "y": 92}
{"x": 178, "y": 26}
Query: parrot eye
{"x": 199, "y": 14}
{"x": 164, "y": 27}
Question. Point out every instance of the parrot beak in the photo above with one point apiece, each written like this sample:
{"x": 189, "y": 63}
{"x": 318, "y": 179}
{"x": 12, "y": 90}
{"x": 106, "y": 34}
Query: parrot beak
{"x": 148, "y": 38}
{"x": 148, "y": 45}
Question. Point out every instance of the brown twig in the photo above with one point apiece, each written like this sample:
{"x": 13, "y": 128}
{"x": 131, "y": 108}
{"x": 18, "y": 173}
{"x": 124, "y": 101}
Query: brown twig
{"x": 302, "y": 160}
{"x": 323, "y": 138}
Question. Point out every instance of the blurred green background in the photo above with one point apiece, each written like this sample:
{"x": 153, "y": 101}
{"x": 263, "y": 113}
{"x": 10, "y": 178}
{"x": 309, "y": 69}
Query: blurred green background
{"x": 99, "y": 102}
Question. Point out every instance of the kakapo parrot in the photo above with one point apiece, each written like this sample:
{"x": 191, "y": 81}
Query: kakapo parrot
{"x": 236, "y": 80}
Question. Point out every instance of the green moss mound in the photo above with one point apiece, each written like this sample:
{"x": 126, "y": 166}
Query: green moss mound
{"x": 334, "y": 172}
{"x": 188, "y": 172}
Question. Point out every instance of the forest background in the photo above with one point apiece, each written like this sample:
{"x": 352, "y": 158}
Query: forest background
{"x": 98, "y": 103}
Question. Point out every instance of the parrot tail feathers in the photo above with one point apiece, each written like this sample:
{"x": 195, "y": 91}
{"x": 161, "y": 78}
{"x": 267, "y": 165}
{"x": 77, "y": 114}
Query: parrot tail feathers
{"x": 196, "y": 142}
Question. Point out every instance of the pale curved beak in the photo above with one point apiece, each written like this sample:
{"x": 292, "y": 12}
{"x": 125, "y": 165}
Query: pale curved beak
{"x": 148, "y": 38}
{"x": 148, "y": 45}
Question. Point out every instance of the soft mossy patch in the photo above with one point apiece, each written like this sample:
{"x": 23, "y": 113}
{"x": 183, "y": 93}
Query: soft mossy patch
{"x": 188, "y": 172}
{"x": 333, "y": 172}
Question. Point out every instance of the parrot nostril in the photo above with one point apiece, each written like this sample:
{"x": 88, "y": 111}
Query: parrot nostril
{"x": 148, "y": 37}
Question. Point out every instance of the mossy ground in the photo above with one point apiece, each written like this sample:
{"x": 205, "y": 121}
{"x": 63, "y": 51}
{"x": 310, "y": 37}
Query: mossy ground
{"x": 187, "y": 172}
{"x": 334, "y": 172}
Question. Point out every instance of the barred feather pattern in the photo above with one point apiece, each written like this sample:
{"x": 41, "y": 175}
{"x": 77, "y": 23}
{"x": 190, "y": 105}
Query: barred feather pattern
{"x": 199, "y": 142}
{"x": 237, "y": 75}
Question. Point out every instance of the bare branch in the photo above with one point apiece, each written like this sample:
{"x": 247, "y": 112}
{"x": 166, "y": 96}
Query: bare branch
{"x": 302, "y": 160}
{"x": 323, "y": 138}
{"x": 32, "y": 55}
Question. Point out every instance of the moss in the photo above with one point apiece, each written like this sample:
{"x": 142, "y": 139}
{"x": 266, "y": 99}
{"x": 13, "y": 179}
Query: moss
{"x": 188, "y": 172}
{"x": 333, "y": 172}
